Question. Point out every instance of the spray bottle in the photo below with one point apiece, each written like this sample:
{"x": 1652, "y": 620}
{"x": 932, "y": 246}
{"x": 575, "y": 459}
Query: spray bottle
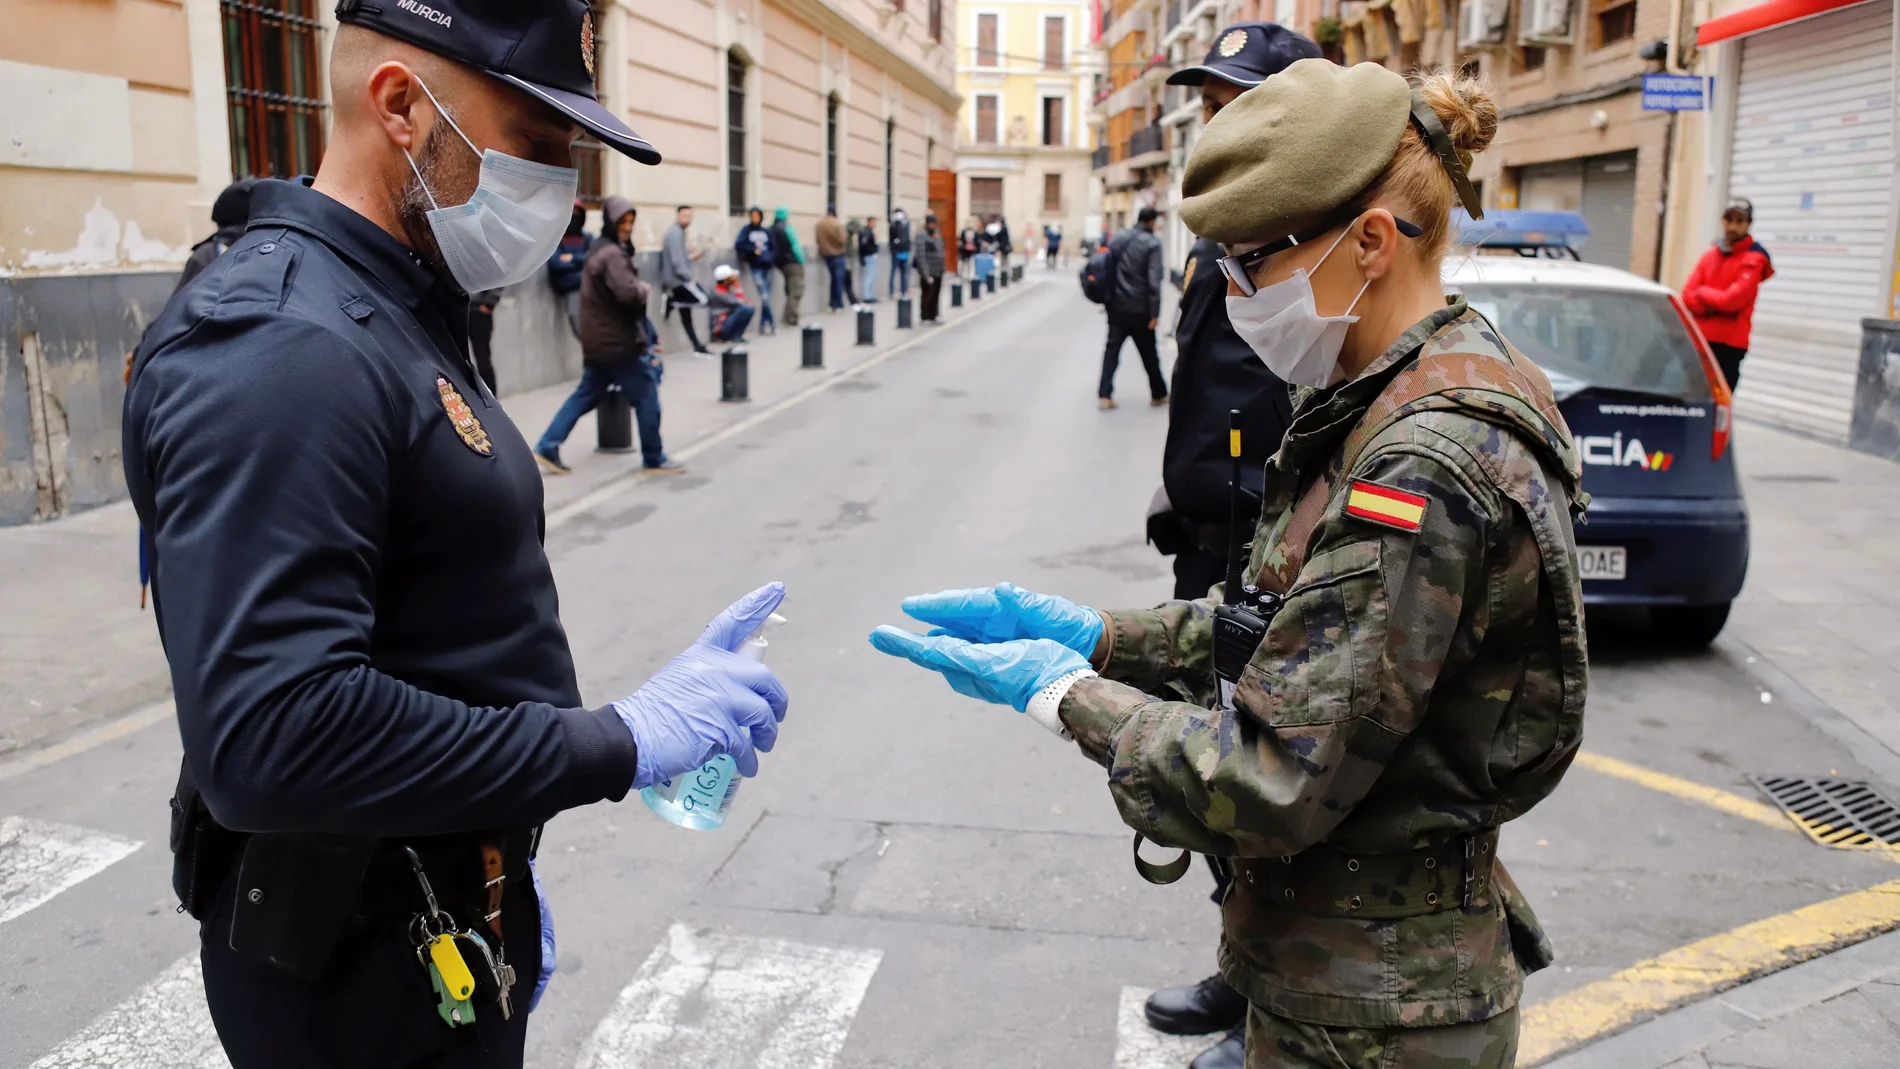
{"x": 700, "y": 799}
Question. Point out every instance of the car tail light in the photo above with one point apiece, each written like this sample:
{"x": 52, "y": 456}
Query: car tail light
{"x": 1718, "y": 382}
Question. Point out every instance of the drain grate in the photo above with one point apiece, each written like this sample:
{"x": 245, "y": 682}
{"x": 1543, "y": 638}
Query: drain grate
{"x": 1848, "y": 814}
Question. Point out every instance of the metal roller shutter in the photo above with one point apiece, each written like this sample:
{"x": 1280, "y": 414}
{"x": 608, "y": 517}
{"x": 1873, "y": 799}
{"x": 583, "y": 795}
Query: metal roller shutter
{"x": 1813, "y": 149}
{"x": 1609, "y": 206}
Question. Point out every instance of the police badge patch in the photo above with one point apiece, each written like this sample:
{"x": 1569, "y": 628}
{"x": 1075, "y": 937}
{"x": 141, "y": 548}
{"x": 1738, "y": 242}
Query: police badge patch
{"x": 463, "y": 418}
{"x": 587, "y": 41}
{"x": 1231, "y": 44}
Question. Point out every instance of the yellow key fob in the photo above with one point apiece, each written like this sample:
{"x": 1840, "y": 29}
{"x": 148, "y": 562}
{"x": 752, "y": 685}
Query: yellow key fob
{"x": 448, "y": 961}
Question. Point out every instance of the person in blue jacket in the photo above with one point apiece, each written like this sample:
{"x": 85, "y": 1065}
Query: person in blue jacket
{"x": 564, "y": 267}
{"x": 758, "y": 253}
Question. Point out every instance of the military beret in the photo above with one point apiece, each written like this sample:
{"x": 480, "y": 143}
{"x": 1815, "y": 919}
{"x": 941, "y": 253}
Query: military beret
{"x": 1289, "y": 152}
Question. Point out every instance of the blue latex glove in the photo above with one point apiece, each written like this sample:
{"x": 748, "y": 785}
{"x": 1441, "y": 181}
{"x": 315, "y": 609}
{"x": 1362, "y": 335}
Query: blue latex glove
{"x": 709, "y": 700}
{"x": 1007, "y": 673}
{"x": 547, "y": 940}
{"x": 1006, "y": 611}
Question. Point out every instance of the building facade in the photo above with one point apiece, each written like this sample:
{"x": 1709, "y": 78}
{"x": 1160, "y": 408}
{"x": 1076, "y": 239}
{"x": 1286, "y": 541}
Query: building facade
{"x": 1025, "y": 70}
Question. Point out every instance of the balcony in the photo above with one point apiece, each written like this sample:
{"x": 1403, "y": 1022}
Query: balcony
{"x": 1144, "y": 141}
{"x": 1099, "y": 158}
{"x": 1174, "y": 14}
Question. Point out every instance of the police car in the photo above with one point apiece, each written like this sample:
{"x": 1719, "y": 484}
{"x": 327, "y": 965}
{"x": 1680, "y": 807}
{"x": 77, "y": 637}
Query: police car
{"x": 1667, "y": 527}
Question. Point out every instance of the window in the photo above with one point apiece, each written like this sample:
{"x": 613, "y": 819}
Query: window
{"x": 1055, "y": 43}
{"x": 831, "y": 149}
{"x": 986, "y": 119}
{"x": 936, "y": 20}
{"x": 1530, "y": 58}
{"x": 986, "y": 198}
{"x": 1616, "y": 23}
{"x": 890, "y": 165}
{"x": 986, "y": 41}
{"x": 1052, "y": 109}
{"x": 588, "y": 161}
{"x": 1052, "y": 193}
{"x": 735, "y": 133}
{"x": 273, "y": 88}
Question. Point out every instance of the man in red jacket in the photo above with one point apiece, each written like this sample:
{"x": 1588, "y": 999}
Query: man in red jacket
{"x": 1721, "y": 290}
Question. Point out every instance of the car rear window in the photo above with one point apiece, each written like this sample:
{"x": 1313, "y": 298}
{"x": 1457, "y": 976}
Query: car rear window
{"x": 1606, "y": 338}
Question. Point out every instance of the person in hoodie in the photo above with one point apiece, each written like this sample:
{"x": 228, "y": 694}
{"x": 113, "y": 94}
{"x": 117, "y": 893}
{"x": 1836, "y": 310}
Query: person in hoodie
{"x": 1720, "y": 293}
{"x": 759, "y": 255}
{"x": 867, "y": 255}
{"x": 930, "y": 268}
{"x": 790, "y": 261}
{"x": 564, "y": 267}
{"x": 831, "y": 246}
{"x": 900, "y": 255}
{"x": 617, "y": 345}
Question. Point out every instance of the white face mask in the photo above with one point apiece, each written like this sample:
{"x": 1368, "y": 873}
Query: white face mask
{"x": 1283, "y": 326}
{"x": 510, "y": 225}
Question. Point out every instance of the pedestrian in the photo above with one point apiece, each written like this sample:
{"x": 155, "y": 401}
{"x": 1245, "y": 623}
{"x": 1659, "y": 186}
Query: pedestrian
{"x": 730, "y": 312}
{"x": 1414, "y": 674}
{"x": 683, "y": 292}
{"x": 987, "y": 248}
{"x": 930, "y": 269}
{"x": 899, "y": 241}
{"x": 481, "y": 334}
{"x": 1052, "y": 240}
{"x": 757, "y": 254}
{"x": 564, "y": 267}
{"x": 1720, "y": 293}
{"x": 371, "y": 679}
{"x": 867, "y": 255}
{"x": 618, "y": 345}
{"x": 230, "y": 212}
{"x": 1003, "y": 246}
{"x": 966, "y": 248}
{"x": 1215, "y": 372}
{"x": 854, "y": 266}
{"x": 1134, "y": 307}
{"x": 831, "y": 246}
{"x": 790, "y": 261}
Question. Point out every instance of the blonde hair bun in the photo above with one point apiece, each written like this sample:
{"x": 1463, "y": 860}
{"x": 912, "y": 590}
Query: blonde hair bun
{"x": 1463, "y": 103}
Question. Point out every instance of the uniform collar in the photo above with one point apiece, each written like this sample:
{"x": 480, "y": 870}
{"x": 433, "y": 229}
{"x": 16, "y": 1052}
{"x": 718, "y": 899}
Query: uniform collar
{"x": 296, "y": 205}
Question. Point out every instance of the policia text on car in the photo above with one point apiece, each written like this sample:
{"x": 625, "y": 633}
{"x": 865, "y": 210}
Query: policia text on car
{"x": 376, "y": 697}
{"x": 1420, "y": 678}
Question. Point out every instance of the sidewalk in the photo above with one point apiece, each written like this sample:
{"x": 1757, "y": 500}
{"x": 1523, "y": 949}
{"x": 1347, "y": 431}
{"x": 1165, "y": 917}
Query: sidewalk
{"x": 77, "y": 653}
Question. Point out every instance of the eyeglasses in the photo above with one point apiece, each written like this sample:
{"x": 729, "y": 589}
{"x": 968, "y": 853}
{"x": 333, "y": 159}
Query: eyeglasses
{"x": 1239, "y": 269}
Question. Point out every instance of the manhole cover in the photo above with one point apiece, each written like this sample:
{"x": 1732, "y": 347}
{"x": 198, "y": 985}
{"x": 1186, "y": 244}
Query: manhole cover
{"x": 1849, "y": 814}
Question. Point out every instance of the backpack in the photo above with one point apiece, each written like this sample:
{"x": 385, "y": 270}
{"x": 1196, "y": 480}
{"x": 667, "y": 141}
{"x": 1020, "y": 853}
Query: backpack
{"x": 1098, "y": 275}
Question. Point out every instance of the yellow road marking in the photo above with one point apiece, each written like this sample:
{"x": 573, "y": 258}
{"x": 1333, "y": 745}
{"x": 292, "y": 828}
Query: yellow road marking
{"x": 1705, "y": 967}
{"x": 1714, "y": 797}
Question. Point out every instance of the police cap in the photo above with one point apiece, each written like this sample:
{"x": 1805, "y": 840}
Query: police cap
{"x": 1247, "y": 53}
{"x": 542, "y": 47}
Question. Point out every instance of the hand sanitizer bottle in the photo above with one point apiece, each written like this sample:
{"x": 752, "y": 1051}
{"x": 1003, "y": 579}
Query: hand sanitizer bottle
{"x": 700, "y": 799}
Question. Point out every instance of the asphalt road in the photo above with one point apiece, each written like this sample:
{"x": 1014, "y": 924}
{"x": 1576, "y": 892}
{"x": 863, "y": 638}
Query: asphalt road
{"x": 914, "y": 879}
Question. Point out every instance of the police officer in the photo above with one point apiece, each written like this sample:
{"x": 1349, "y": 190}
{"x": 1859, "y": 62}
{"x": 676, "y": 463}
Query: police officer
{"x": 1401, "y": 667}
{"x": 376, "y": 698}
{"x": 1214, "y": 373}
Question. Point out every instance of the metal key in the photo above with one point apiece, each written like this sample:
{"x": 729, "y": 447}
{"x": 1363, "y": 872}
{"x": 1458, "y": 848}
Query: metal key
{"x": 503, "y": 973}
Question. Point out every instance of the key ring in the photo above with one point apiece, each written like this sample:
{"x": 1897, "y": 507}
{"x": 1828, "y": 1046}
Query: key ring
{"x": 442, "y": 922}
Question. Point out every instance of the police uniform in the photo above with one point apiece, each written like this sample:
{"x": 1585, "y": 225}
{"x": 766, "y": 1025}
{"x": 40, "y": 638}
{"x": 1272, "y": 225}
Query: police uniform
{"x": 370, "y": 672}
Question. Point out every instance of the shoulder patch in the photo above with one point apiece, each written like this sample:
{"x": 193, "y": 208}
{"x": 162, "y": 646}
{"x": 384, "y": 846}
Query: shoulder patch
{"x": 463, "y": 418}
{"x": 1384, "y": 505}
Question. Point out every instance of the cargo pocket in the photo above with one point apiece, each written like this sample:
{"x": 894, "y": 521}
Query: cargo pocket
{"x": 1312, "y": 666}
{"x": 1528, "y": 941}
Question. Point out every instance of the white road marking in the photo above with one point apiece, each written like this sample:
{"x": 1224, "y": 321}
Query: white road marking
{"x": 1139, "y": 1047}
{"x": 110, "y": 731}
{"x": 164, "y": 1025}
{"x": 709, "y": 1000}
{"x": 39, "y": 859}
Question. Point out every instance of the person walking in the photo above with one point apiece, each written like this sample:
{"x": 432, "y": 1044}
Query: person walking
{"x": 481, "y": 334}
{"x": 1134, "y": 307}
{"x": 790, "y": 261}
{"x": 683, "y": 293}
{"x": 564, "y": 267}
{"x": 930, "y": 269}
{"x": 899, "y": 284}
{"x": 966, "y": 248}
{"x": 730, "y": 313}
{"x": 854, "y": 266}
{"x": 617, "y": 346}
{"x": 1052, "y": 240}
{"x": 1004, "y": 247}
{"x": 867, "y": 256}
{"x": 1720, "y": 293}
{"x": 758, "y": 255}
{"x": 371, "y": 678}
{"x": 1401, "y": 664}
{"x": 831, "y": 247}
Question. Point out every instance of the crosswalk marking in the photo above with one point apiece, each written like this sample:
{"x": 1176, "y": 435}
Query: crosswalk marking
{"x": 710, "y": 1000}
{"x": 164, "y": 1025}
{"x": 1139, "y": 1047}
{"x": 39, "y": 859}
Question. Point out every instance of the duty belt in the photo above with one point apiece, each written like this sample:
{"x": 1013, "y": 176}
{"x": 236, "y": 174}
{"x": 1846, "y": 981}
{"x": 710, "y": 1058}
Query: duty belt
{"x": 1329, "y": 882}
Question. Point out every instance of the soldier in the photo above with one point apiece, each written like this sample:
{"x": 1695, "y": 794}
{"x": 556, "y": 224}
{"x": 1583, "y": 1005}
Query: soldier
{"x": 1403, "y": 668}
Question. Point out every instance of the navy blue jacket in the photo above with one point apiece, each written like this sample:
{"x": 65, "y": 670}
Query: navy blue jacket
{"x": 351, "y": 588}
{"x": 754, "y": 246}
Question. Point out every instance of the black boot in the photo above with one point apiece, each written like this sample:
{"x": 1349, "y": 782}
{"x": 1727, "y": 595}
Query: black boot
{"x": 1209, "y": 1006}
{"x": 1229, "y": 1053}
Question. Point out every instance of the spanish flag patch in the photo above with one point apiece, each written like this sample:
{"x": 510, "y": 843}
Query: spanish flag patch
{"x": 1382, "y": 504}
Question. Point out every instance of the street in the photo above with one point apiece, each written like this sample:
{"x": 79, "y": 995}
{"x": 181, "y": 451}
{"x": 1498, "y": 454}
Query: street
{"x": 914, "y": 878}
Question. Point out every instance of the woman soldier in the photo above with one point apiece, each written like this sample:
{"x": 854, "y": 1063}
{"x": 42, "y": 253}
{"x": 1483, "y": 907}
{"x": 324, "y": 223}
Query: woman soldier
{"x": 1403, "y": 669}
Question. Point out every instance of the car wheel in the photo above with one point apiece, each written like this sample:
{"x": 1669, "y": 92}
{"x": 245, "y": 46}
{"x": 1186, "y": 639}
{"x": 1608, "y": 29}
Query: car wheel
{"x": 1688, "y": 626}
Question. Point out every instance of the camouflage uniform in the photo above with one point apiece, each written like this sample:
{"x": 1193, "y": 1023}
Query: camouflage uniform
{"x": 1416, "y": 690}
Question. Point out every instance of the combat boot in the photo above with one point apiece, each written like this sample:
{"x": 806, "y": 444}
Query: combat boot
{"x": 1229, "y": 1053}
{"x": 1197, "y": 1009}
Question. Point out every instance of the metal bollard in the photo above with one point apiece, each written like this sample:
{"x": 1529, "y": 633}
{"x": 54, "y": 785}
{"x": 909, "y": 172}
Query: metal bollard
{"x": 956, "y": 293}
{"x": 1002, "y": 277}
{"x": 989, "y": 284}
{"x": 1017, "y": 270}
{"x": 976, "y": 287}
{"x": 903, "y": 313}
{"x": 813, "y": 341}
{"x": 734, "y": 380}
{"x": 867, "y": 327}
{"x": 613, "y": 422}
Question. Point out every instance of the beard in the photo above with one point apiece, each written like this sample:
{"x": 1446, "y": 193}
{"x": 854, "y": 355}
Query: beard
{"x": 451, "y": 176}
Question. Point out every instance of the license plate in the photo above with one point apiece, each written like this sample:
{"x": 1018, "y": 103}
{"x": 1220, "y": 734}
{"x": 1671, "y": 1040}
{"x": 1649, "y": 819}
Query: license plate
{"x": 1602, "y": 562}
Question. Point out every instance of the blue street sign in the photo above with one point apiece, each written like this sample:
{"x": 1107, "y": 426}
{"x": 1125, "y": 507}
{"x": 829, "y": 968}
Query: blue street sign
{"x": 1674, "y": 92}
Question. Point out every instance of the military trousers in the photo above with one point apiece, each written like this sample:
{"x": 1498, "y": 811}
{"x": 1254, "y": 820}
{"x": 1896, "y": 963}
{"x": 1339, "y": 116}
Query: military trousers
{"x": 1275, "y": 1042}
